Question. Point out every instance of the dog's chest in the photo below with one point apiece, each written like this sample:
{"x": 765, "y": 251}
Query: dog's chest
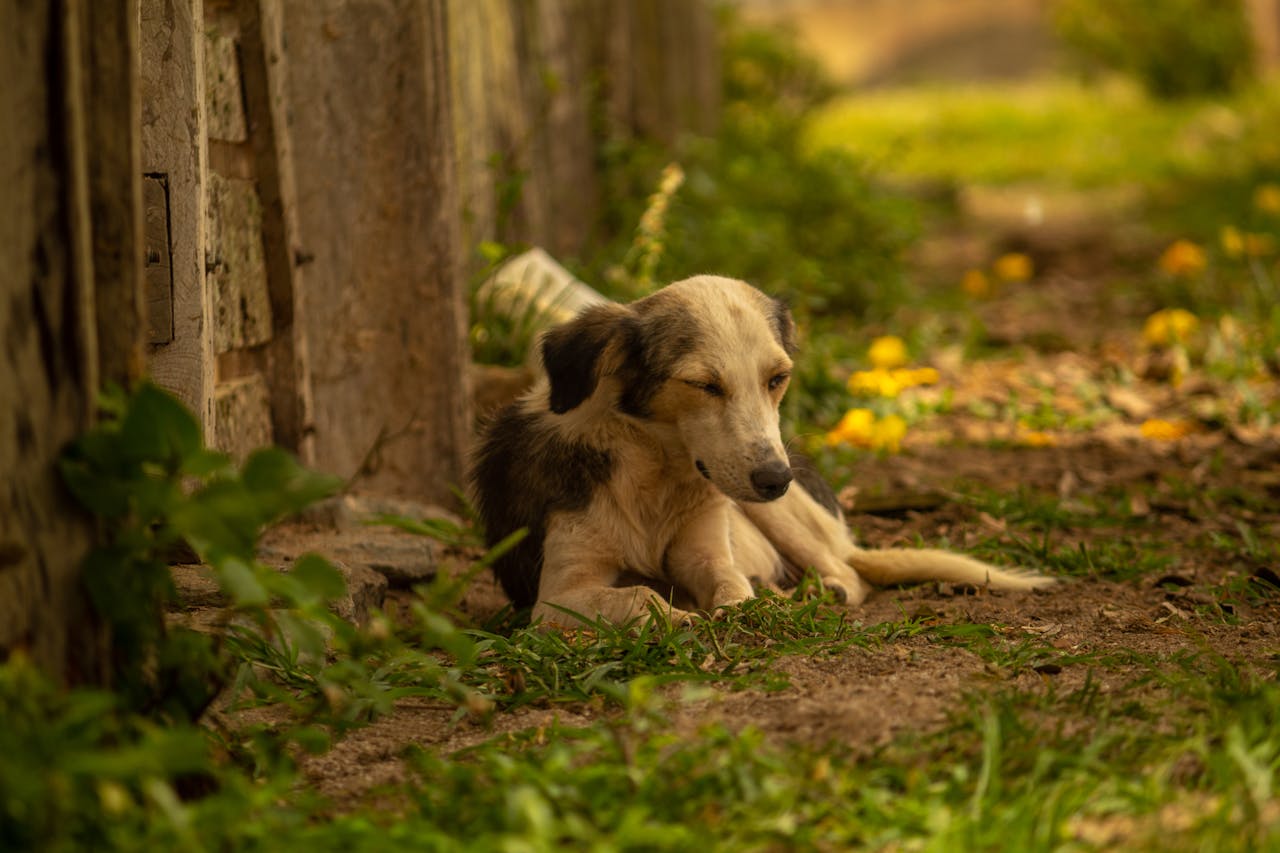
{"x": 650, "y": 505}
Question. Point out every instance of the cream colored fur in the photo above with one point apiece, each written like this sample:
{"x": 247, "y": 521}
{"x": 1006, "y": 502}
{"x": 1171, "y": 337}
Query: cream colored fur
{"x": 707, "y": 531}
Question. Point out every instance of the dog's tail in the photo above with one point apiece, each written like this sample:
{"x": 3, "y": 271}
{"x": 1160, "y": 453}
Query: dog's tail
{"x": 889, "y": 566}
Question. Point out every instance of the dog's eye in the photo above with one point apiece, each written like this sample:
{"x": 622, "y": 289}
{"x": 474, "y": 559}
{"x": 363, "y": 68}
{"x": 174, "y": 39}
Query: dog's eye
{"x": 710, "y": 388}
{"x": 778, "y": 381}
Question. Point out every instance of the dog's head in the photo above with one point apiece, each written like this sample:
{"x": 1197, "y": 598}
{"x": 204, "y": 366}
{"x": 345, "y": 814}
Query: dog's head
{"x": 705, "y": 360}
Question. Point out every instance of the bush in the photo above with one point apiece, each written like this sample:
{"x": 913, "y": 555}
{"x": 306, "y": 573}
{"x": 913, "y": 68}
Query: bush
{"x": 757, "y": 204}
{"x": 1176, "y": 48}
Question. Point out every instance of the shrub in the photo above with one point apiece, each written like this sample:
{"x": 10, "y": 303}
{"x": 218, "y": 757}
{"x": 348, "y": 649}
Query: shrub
{"x": 1176, "y": 48}
{"x": 758, "y": 204}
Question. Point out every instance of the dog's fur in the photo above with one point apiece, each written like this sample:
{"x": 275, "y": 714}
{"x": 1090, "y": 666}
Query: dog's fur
{"x": 650, "y": 455}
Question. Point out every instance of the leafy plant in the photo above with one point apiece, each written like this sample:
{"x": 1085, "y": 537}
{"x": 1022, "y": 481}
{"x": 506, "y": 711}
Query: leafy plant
{"x": 756, "y": 203}
{"x": 74, "y": 764}
{"x": 144, "y": 470}
{"x": 1176, "y": 48}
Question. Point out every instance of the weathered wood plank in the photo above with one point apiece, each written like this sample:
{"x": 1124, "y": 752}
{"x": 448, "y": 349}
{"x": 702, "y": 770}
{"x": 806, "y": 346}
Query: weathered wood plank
{"x": 158, "y": 266}
{"x": 224, "y": 94}
{"x": 237, "y": 274}
{"x": 244, "y": 415}
{"x": 113, "y": 110}
{"x": 265, "y": 76}
{"x": 48, "y": 361}
{"x": 175, "y": 146}
{"x": 385, "y": 315}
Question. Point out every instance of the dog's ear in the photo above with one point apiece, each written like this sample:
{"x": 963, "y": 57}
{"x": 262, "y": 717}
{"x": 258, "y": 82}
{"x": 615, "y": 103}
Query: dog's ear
{"x": 784, "y": 326}
{"x": 576, "y": 354}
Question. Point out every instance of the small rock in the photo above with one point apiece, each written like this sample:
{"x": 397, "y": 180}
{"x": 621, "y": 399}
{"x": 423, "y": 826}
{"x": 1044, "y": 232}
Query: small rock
{"x": 365, "y": 591}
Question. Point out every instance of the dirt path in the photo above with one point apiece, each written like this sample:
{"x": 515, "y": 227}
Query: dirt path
{"x": 867, "y": 696}
{"x": 1176, "y": 523}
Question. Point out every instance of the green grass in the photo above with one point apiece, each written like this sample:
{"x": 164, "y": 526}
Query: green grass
{"x": 1188, "y": 743}
{"x": 1125, "y": 746}
{"x": 736, "y": 650}
{"x": 1051, "y": 131}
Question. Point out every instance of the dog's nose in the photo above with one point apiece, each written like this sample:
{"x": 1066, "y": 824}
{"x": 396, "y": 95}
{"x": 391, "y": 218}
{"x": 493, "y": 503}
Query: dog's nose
{"x": 771, "y": 481}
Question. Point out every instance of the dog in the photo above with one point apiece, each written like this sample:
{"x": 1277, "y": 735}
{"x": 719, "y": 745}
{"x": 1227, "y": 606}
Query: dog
{"x": 649, "y": 457}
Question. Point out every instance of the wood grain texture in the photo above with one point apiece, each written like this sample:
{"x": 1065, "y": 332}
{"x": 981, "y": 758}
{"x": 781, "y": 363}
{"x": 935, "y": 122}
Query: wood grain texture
{"x": 175, "y": 146}
{"x": 385, "y": 315}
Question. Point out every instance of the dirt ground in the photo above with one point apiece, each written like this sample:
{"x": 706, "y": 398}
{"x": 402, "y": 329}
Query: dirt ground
{"x": 864, "y": 698}
{"x": 1069, "y": 338}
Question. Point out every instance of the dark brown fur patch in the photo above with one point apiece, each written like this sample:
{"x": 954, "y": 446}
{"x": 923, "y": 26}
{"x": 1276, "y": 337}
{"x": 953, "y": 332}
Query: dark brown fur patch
{"x": 666, "y": 332}
{"x": 784, "y": 326}
{"x": 808, "y": 477}
{"x": 571, "y": 353}
{"x": 523, "y": 472}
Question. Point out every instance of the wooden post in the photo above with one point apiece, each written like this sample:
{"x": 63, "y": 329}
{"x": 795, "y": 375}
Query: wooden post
{"x": 68, "y": 238}
{"x": 266, "y": 81}
{"x": 115, "y": 166}
{"x": 175, "y": 154}
{"x": 385, "y": 308}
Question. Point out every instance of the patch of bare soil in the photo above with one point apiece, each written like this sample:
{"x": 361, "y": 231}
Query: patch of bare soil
{"x": 866, "y": 697}
{"x": 1184, "y": 501}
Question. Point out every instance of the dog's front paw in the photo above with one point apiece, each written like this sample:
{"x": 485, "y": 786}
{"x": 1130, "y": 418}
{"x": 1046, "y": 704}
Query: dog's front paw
{"x": 849, "y": 592}
{"x": 677, "y": 617}
{"x": 731, "y": 592}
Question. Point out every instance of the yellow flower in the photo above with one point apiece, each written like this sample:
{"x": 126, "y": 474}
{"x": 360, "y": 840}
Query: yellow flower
{"x": 888, "y": 433}
{"x": 911, "y": 377}
{"x": 854, "y": 428}
{"x": 1014, "y": 266}
{"x": 874, "y": 383}
{"x": 1266, "y": 198}
{"x": 1183, "y": 258}
{"x": 1169, "y": 326}
{"x": 887, "y": 352}
{"x": 1160, "y": 430}
{"x": 860, "y": 428}
{"x": 976, "y": 284}
{"x": 1036, "y": 438}
{"x": 1232, "y": 241}
{"x": 889, "y": 383}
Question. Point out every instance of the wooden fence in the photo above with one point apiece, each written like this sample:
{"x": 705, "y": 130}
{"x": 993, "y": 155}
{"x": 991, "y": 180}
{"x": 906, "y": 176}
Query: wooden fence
{"x": 271, "y": 207}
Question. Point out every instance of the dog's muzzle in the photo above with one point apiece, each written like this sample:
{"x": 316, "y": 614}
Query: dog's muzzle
{"x": 771, "y": 481}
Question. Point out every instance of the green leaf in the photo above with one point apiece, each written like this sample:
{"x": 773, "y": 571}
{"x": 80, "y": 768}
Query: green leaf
{"x": 439, "y": 529}
{"x": 223, "y": 518}
{"x": 303, "y": 635}
{"x": 313, "y": 739}
{"x": 158, "y": 427}
{"x": 206, "y": 463}
{"x": 281, "y": 485}
{"x": 239, "y": 581}
{"x": 104, "y": 496}
{"x": 320, "y": 576}
{"x": 159, "y": 752}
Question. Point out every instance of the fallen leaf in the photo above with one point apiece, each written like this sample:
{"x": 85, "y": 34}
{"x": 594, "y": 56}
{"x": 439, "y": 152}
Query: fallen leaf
{"x": 1129, "y": 402}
